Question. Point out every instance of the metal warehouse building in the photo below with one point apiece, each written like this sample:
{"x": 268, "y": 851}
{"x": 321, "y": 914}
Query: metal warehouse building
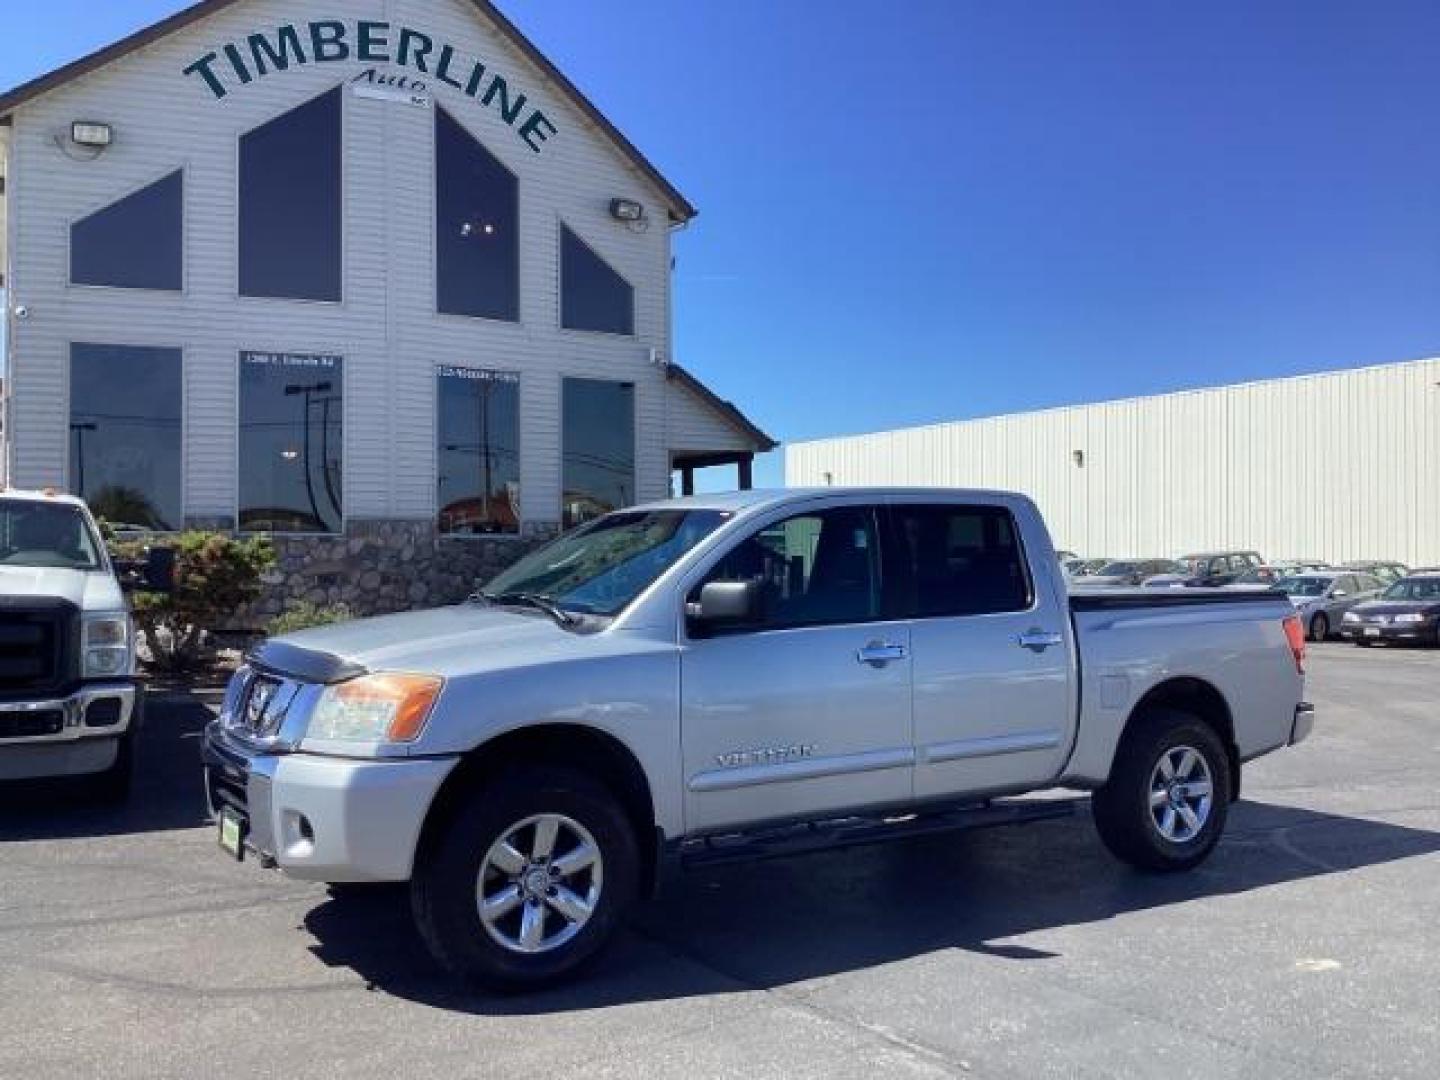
{"x": 1342, "y": 465}
{"x": 373, "y": 277}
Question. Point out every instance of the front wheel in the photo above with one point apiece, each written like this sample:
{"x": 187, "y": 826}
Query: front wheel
{"x": 1165, "y": 804}
{"x": 528, "y": 880}
{"x": 1319, "y": 628}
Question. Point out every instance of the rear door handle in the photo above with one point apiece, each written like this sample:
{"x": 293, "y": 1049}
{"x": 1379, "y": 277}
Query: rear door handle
{"x": 1038, "y": 640}
{"x": 880, "y": 653}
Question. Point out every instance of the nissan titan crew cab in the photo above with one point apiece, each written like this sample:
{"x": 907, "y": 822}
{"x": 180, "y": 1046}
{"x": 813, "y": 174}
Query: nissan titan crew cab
{"x": 69, "y": 699}
{"x": 736, "y": 676}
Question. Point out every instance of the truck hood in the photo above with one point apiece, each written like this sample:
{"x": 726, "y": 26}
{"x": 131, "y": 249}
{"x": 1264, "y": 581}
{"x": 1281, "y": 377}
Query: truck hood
{"x": 447, "y": 641}
{"x": 88, "y": 590}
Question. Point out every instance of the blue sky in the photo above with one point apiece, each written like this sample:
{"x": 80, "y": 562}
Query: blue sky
{"x": 922, "y": 210}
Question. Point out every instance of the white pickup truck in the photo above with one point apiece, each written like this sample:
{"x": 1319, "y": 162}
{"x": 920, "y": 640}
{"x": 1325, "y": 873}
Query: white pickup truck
{"x": 731, "y": 677}
{"x": 69, "y": 699}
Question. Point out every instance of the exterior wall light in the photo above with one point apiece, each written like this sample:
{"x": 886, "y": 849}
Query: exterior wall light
{"x": 627, "y": 210}
{"x": 1079, "y": 456}
{"x": 91, "y": 135}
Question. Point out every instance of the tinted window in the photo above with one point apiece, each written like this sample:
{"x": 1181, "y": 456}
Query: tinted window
{"x": 291, "y": 442}
{"x": 290, "y": 204}
{"x": 135, "y": 243}
{"x": 957, "y": 560}
{"x": 599, "y": 448}
{"x": 125, "y": 433}
{"x": 813, "y": 569}
{"x": 592, "y": 295}
{"x": 477, "y": 227}
{"x": 478, "y": 451}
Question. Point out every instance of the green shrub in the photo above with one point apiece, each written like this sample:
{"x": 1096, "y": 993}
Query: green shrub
{"x": 215, "y": 575}
{"x": 304, "y": 615}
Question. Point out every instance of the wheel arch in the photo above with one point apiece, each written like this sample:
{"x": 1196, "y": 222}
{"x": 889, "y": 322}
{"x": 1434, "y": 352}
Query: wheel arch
{"x": 583, "y": 748}
{"x": 1200, "y": 699}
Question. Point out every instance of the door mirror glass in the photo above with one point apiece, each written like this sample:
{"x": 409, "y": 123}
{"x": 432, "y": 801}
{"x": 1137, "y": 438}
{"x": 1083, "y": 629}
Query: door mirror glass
{"x": 154, "y": 573}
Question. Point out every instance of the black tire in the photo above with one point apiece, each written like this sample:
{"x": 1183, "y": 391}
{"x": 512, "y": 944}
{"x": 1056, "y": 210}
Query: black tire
{"x": 1122, "y": 808}
{"x": 443, "y": 891}
{"x": 1319, "y": 628}
{"x": 112, "y": 786}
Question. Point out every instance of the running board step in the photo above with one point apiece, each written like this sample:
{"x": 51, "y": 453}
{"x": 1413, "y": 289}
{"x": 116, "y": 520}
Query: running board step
{"x": 853, "y": 831}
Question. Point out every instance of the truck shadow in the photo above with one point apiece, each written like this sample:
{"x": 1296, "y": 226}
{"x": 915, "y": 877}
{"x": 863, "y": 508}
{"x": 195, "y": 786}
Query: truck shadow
{"x": 169, "y": 792}
{"x": 776, "y": 923}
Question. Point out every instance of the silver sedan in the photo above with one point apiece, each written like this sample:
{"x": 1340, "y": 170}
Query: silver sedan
{"x": 1322, "y": 598}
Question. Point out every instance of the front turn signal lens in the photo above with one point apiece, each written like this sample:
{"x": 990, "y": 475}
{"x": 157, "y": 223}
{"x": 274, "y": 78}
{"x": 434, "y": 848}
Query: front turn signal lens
{"x": 376, "y": 708}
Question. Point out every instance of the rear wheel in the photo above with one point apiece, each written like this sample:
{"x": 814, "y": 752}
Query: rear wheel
{"x": 1319, "y": 628}
{"x": 1165, "y": 804}
{"x": 528, "y": 880}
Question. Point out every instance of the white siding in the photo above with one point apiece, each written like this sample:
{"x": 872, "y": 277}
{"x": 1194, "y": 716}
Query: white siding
{"x": 694, "y": 427}
{"x": 1344, "y": 465}
{"x": 386, "y": 328}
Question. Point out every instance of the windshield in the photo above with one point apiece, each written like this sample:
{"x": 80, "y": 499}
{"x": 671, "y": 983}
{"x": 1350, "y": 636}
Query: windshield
{"x": 600, "y": 568}
{"x": 1424, "y": 589}
{"x": 46, "y": 534}
{"x": 1116, "y": 569}
{"x": 1304, "y": 586}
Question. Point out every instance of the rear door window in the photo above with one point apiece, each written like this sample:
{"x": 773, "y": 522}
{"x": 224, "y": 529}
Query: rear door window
{"x": 955, "y": 560}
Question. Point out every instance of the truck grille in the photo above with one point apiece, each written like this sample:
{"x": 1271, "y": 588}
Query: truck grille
{"x": 33, "y": 646}
{"x": 256, "y": 704}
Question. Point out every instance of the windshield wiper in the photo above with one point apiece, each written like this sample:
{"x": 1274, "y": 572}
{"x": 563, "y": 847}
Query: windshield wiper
{"x": 532, "y": 600}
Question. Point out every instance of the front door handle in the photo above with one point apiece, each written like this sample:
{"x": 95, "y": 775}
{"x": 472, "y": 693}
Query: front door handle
{"x": 1037, "y": 640}
{"x": 880, "y": 653}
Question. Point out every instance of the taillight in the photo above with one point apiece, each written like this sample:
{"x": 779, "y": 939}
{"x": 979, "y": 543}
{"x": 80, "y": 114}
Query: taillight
{"x": 1296, "y": 635}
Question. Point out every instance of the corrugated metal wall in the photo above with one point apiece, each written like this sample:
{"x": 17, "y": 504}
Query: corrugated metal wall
{"x": 1343, "y": 465}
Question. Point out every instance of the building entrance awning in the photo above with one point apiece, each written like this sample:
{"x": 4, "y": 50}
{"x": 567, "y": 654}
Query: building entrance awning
{"x": 705, "y": 430}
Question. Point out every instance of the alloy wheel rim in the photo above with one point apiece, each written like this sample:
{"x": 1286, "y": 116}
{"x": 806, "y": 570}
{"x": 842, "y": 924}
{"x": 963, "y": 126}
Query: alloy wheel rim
{"x": 1182, "y": 792}
{"x": 539, "y": 884}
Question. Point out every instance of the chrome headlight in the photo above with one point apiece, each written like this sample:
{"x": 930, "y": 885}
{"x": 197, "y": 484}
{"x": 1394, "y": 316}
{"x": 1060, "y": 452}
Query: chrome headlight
{"x": 1350, "y": 616}
{"x": 106, "y": 646}
{"x": 1410, "y": 620}
{"x": 375, "y": 708}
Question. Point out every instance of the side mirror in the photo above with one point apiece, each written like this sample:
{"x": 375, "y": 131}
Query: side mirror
{"x": 723, "y": 602}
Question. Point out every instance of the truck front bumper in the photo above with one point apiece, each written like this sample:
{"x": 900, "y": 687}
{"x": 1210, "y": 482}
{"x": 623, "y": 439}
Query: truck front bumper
{"x": 323, "y": 818}
{"x": 71, "y": 735}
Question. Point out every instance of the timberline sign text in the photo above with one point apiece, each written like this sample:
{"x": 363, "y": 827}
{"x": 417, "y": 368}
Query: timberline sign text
{"x": 330, "y": 41}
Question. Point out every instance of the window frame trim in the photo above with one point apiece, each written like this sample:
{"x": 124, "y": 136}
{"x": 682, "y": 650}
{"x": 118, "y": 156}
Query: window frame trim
{"x": 129, "y": 290}
{"x": 345, "y": 428}
{"x": 69, "y": 406}
{"x": 612, "y": 335}
{"x": 241, "y": 297}
{"x": 522, "y": 519}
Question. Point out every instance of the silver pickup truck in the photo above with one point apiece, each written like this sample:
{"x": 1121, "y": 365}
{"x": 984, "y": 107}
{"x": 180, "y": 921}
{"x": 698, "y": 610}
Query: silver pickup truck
{"x": 746, "y": 675}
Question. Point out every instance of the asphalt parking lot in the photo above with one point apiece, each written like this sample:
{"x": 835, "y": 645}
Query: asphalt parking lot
{"x": 1306, "y": 947}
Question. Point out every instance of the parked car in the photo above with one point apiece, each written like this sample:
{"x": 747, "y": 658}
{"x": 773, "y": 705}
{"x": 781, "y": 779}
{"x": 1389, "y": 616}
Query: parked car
{"x": 1388, "y": 572}
{"x": 710, "y": 679}
{"x": 1408, "y": 610}
{"x": 69, "y": 698}
{"x": 1322, "y": 599}
{"x": 1129, "y": 573}
{"x": 1089, "y": 567}
{"x": 1268, "y": 575}
{"x": 1213, "y": 569}
{"x": 1066, "y": 557}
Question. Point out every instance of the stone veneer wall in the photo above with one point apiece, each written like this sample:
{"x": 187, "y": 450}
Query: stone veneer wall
{"x": 378, "y": 567}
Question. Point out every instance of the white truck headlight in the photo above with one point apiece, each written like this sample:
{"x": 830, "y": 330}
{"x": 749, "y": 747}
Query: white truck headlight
{"x": 106, "y": 646}
{"x": 1350, "y": 616}
{"x": 375, "y": 708}
{"x": 1409, "y": 620}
